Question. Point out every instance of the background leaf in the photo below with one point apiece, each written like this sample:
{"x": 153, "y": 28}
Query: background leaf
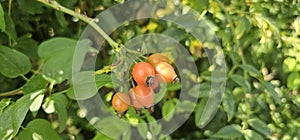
{"x": 13, "y": 63}
{"x": 230, "y": 131}
{"x": 60, "y": 104}
{"x": 30, "y": 6}
{"x": 168, "y": 110}
{"x": 249, "y": 68}
{"x": 229, "y": 104}
{"x": 252, "y": 135}
{"x": 39, "y": 128}
{"x": 271, "y": 90}
{"x": 84, "y": 85}
{"x": 260, "y": 126}
{"x": 241, "y": 81}
{"x": 115, "y": 129}
{"x": 2, "y": 21}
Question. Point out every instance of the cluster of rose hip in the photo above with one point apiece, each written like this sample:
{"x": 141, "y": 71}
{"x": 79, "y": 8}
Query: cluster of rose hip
{"x": 148, "y": 76}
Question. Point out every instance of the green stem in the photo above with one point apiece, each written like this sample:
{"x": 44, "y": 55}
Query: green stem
{"x": 9, "y": 7}
{"x": 25, "y": 78}
{"x": 90, "y": 21}
{"x": 232, "y": 27}
{"x": 12, "y": 93}
{"x": 61, "y": 92}
{"x": 105, "y": 69}
{"x": 232, "y": 70}
{"x": 51, "y": 87}
{"x": 9, "y": 14}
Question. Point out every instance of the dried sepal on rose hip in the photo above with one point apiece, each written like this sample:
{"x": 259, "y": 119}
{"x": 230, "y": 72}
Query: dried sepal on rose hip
{"x": 121, "y": 103}
{"x": 158, "y": 79}
{"x": 143, "y": 74}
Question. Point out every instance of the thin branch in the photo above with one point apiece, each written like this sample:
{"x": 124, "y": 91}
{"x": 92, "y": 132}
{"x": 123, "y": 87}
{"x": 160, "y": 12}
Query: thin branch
{"x": 12, "y": 93}
{"x": 92, "y": 22}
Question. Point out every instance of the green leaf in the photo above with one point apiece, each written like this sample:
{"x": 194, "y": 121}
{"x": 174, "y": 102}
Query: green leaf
{"x": 168, "y": 109}
{"x": 12, "y": 117}
{"x": 240, "y": 28}
{"x": 205, "y": 89}
{"x": 260, "y": 126}
{"x": 113, "y": 127}
{"x": 100, "y": 136}
{"x": 29, "y": 47}
{"x": 48, "y": 105}
{"x": 13, "y": 63}
{"x": 289, "y": 64}
{"x": 142, "y": 129}
{"x": 229, "y": 104}
{"x": 57, "y": 103}
{"x": 36, "y": 104}
{"x": 102, "y": 80}
{"x": 293, "y": 81}
{"x": 2, "y": 20}
{"x": 30, "y": 6}
{"x": 34, "y": 84}
{"x": 199, "y": 110}
{"x": 211, "y": 107}
{"x": 69, "y": 3}
{"x": 185, "y": 106}
{"x": 6, "y": 128}
{"x": 39, "y": 129}
{"x": 175, "y": 33}
{"x": 195, "y": 89}
{"x": 252, "y": 135}
{"x": 241, "y": 81}
{"x": 60, "y": 104}
{"x": 58, "y": 57}
{"x": 10, "y": 27}
{"x": 161, "y": 94}
{"x": 271, "y": 90}
{"x": 84, "y": 85}
{"x": 249, "y": 68}
{"x": 229, "y": 131}
{"x": 3, "y": 104}
{"x": 174, "y": 87}
{"x": 61, "y": 19}
{"x": 21, "y": 108}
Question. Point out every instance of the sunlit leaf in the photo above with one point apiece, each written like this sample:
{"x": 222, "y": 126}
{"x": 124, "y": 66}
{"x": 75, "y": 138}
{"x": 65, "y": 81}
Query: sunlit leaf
{"x": 293, "y": 81}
